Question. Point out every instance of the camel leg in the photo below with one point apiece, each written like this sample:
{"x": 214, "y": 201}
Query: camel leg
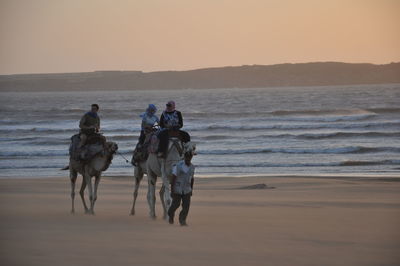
{"x": 91, "y": 197}
{"x": 82, "y": 193}
{"x": 73, "y": 175}
{"x": 138, "y": 179}
{"x": 96, "y": 185}
{"x": 151, "y": 193}
{"x": 162, "y": 191}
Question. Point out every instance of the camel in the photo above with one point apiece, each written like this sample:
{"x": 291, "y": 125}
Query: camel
{"x": 157, "y": 167}
{"x": 92, "y": 168}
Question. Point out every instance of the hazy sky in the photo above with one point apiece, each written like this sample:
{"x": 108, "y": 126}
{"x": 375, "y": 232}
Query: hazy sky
{"x": 85, "y": 35}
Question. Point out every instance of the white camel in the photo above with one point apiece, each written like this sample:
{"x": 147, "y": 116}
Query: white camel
{"x": 157, "y": 167}
{"x": 92, "y": 168}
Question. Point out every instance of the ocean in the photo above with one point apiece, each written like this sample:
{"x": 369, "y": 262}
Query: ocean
{"x": 330, "y": 130}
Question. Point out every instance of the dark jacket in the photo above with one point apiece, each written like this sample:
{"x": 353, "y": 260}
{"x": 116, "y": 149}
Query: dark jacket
{"x": 89, "y": 122}
{"x": 171, "y": 120}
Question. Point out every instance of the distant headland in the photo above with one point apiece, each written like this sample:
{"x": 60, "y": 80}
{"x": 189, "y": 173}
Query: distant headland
{"x": 246, "y": 76}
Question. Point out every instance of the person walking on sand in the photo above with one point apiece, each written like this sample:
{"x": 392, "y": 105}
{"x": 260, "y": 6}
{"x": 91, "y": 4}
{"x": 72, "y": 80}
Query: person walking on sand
{"x": 181, "y": 188}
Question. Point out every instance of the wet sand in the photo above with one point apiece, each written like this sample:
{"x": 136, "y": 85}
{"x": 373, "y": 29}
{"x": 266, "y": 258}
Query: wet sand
{"x": 301, "y": 221}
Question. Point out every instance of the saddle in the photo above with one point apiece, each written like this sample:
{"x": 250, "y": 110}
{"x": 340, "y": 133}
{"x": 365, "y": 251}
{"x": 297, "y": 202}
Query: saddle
{"x": 96, "y": 138}
{"x": 150, "y": 145}
{"x": 94, "y": 145}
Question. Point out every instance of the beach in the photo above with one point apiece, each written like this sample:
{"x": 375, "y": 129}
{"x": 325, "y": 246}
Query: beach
{"x": 294, "y": 220}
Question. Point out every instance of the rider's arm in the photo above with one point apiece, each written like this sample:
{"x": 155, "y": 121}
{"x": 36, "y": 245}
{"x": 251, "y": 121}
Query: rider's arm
{"x": 82, "y": 123}
{"x": 180, "y": 123}
{"x": 162, "y": 125}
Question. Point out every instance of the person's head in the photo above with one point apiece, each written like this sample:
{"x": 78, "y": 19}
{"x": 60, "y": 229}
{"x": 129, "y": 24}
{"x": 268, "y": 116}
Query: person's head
{"x": 170, "y": 106}
{"x": 188, "y": 157}
{"x": 151, "y": 109}
{"x": 95, "y": 108}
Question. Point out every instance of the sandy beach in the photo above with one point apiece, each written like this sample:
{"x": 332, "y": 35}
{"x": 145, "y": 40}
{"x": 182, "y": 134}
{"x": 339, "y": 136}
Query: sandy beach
{"x": 301, "y": 221}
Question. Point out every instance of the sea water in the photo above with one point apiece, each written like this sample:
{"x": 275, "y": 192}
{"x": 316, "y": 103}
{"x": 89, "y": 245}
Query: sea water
{"x": 272, "y": 131}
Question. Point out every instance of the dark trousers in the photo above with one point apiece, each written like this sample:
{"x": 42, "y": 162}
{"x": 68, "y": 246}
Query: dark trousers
{"x": 163, "y": 136}
{"x": 176, "y": 202}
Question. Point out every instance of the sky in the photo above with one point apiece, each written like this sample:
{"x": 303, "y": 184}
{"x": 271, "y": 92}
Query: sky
{"x": 50, "y": 36}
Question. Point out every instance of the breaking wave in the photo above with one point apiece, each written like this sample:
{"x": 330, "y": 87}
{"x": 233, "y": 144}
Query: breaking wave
{"x": 339, "y": 150}
{"x": 331, "y": 164}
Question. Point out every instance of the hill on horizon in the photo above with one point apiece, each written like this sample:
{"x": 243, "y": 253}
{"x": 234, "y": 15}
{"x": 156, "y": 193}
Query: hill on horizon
{"x": 246, "y": 76}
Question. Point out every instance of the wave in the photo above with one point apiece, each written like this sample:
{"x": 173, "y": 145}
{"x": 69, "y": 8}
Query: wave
{"x": 384, "y": 110}
{"x": 133, "y": 138}
{"x": 39, "y": 130}
{"x": 60, "y": 130}
{"x": 34, "y": 153}
{"x": 240, "y": 165}
{"x": 321, "y": 112}
{"x": 362, "y": 163}
{"x": 216, "y": 137}
{"x": 304, "y": 112}
{"x": 377, "y": 125}
{"x": 112, "y": 129}
{"x": 33, "y": 166}
{"x": 128, "y": 150}
{"x": 309, "y": 136}
{"x": 347, "y": 135}
{"x": 322, "y": 115}
{"x": 340, "y": 150}
{"x": 332, "y": 164}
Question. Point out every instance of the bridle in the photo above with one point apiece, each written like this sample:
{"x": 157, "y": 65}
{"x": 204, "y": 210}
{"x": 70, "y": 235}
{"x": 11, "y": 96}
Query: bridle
{"x": 178, "y": 145}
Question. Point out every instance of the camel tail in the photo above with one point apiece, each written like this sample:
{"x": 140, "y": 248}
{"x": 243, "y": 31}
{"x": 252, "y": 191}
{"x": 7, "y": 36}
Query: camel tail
{"x": 65, "y": 168}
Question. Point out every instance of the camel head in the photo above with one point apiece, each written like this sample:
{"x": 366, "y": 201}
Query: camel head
{"x": 111, "y": 147}
{"x": 189, "y": 147}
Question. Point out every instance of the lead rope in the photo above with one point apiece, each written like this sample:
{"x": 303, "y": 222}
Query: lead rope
{"x": 120, "y": 154}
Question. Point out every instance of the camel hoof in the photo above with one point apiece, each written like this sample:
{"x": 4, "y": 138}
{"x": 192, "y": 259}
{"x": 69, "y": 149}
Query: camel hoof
{"x": 132, "y": 213}
{"x": 153, "y": 217}
{"x": 72, "y": 212}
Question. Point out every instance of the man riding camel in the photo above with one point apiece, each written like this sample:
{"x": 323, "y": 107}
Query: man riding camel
{"x": 171, "y": 122}
{"x": 89, "y": 124}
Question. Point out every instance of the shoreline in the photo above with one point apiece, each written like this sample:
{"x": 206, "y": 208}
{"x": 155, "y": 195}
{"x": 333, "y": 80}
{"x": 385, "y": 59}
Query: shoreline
{"x": 395, "y": 177}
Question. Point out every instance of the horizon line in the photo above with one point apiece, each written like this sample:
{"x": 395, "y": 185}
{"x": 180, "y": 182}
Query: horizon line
{"x": 194, "y": 69}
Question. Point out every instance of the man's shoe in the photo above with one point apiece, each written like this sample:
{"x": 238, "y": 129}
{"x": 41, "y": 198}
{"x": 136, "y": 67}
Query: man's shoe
{"x": 171, "y": 220}
{"x": 183, "y": 223}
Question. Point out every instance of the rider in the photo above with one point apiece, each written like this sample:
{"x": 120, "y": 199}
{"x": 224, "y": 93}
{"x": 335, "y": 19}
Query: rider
{"x": 149, "y": 120}
{"x": 171, "y": 122}
{"x": 89, "y": 124}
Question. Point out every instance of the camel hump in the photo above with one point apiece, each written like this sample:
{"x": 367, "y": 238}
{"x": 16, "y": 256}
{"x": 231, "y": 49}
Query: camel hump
{"x": 94, "y": 145}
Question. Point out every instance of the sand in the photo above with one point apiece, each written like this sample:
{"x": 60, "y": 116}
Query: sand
{"x": 302, "y": 221}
